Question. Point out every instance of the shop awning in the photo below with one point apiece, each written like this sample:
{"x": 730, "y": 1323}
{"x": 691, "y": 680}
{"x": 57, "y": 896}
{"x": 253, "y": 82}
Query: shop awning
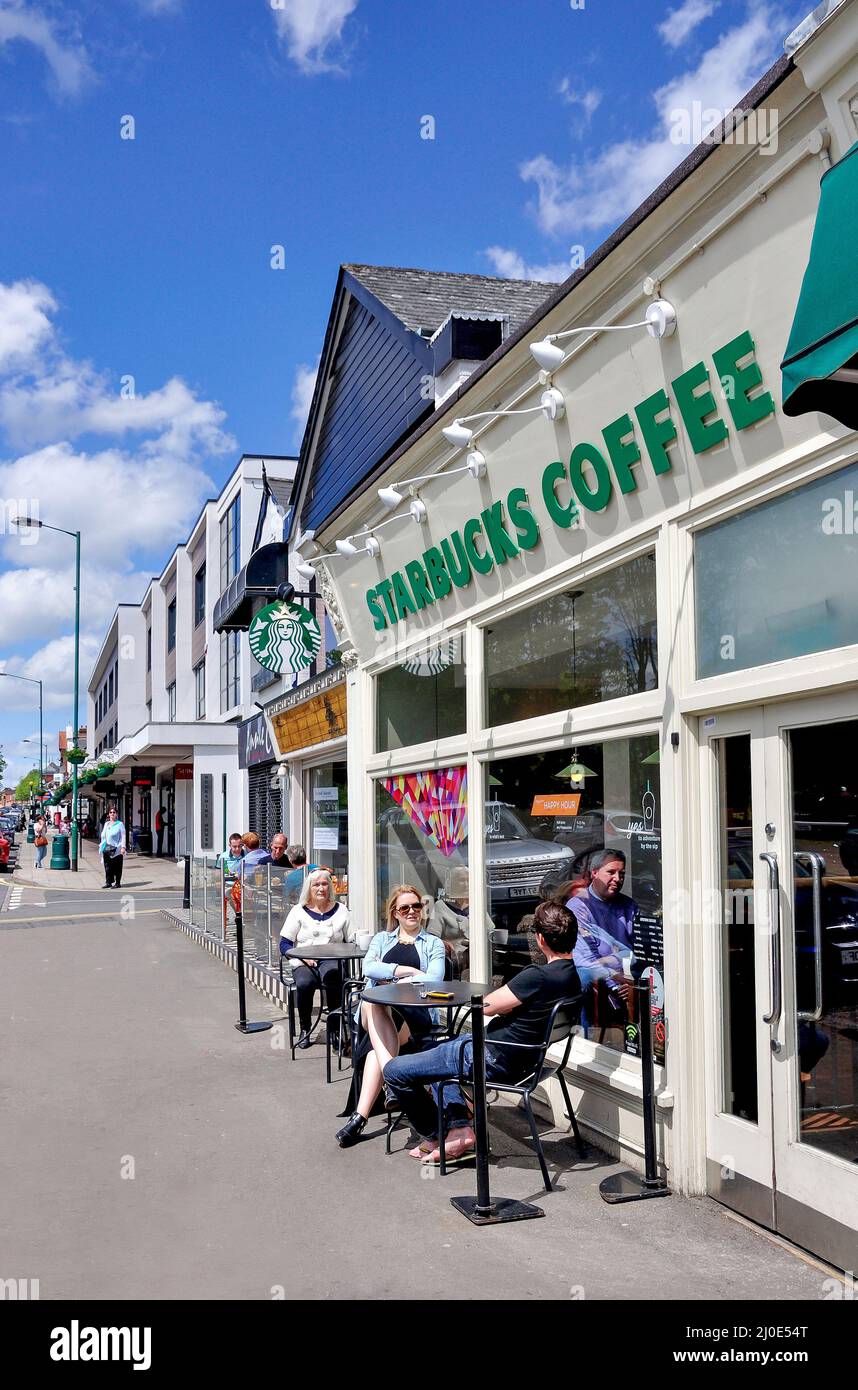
{"x": 820, "y": 367}
{"x": 267, "y": 568}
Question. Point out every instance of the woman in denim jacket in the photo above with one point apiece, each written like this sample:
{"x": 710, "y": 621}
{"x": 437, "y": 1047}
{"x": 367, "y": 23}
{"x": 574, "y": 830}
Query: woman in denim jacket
{"x": 406, "y": 951}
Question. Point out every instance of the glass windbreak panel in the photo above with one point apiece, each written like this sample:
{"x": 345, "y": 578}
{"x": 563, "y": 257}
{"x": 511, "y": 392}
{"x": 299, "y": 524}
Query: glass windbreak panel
{"x": 421, "y": 836}
{"x": 738, "y": 969}
{"x": 825, "y": 840}
{"x": 779, "y": 581}
{"x": 328, "y": 807}
{"x": 582, "y": 826}
{"x": 587, "y": 644}
{"x": 423, "y": 699}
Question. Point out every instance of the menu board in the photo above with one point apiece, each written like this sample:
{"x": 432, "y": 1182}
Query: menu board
{"x": 648, "y": 947}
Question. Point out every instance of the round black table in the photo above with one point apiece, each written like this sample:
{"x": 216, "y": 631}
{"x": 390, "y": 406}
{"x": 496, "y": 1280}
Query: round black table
{"x": 343, "y": 952}
{"x": 481, "y": 1210}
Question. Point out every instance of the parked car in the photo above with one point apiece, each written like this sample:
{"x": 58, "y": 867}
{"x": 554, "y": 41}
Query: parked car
{"x": 4, "y": 854}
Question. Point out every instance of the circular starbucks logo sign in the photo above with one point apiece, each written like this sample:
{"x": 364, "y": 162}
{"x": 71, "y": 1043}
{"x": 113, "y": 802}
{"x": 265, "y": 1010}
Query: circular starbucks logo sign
{"x": 433, "y": 662}
{"x": 284, "y": 637}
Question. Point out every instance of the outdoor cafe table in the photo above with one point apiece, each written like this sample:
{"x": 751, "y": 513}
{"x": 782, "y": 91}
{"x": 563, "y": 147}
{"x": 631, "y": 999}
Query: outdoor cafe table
{"x": 481, "y": 1210}
{"x": 343, "y": 952}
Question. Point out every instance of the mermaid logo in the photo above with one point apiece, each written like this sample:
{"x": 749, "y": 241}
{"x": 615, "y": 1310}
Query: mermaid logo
{"x": 284, "y": 637}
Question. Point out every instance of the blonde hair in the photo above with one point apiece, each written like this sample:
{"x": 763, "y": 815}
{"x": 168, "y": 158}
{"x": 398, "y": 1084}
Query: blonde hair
{"x": 390, "y": 912}
{"x": 250, "y": 839}
{"x": 305, "y": 887}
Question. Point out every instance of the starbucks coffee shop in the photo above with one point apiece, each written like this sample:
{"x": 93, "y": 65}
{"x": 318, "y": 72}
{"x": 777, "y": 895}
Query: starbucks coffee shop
{"x": 605, "y": 596}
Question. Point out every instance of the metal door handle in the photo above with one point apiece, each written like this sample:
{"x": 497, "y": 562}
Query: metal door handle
{"x": 817, "y": 869}
{"x": 773, "y": 1017}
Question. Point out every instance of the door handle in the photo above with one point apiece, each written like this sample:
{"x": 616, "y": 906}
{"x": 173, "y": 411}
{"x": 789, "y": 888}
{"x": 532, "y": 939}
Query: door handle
{"x": 817, "y": 868}
{"x": 773, "y": 1017}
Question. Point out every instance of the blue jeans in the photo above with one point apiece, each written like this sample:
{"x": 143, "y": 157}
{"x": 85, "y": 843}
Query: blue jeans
{"x": 41, "y": 851}
{"x": 409, "y": 1076}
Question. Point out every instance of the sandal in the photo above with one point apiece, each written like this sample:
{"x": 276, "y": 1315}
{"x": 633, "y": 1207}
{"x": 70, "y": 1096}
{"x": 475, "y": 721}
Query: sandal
{"x": 423, "y": 1149}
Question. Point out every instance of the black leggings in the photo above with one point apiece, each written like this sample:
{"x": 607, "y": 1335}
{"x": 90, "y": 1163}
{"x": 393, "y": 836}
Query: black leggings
{"x": 113, "y": 868}
{"x": 306, "y": 984}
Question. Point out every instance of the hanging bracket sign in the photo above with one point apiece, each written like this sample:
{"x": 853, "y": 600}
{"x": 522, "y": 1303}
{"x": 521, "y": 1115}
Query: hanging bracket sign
{"x": 284, "y": 637}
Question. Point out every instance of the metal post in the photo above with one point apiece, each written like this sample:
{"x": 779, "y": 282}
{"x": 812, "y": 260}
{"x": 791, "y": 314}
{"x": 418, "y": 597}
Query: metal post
{"x": 628, "y": 1186}
{"x": 223, "y": 901}
{"x": 41, "y": 746}
{"x": 481, "y": 1210}
{"x": 186, "y": 888}
{"x": 74, "y": 826}
{"x": 243, "y": 1026}
{"x": 268, "y": 886}
{"x": 205, "y": 895}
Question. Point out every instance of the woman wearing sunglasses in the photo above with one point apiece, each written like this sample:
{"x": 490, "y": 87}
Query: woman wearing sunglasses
{"x": 406, "y": 951}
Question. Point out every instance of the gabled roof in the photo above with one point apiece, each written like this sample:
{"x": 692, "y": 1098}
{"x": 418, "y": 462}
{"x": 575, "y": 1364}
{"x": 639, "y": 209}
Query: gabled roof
{"x": 423, "y": 299}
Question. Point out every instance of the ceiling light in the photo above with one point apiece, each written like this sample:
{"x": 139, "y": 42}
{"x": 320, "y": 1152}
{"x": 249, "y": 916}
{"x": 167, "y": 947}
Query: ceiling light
{"x": 458, "y": 435}
{"x": 389, "y": 496}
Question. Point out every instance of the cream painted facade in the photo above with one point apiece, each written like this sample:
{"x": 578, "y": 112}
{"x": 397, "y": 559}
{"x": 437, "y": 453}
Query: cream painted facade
{"x": 727, "y": 248}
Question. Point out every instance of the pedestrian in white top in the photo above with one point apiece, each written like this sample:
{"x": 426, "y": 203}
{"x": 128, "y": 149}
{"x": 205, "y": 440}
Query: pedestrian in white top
{"x": 316, "y": 920}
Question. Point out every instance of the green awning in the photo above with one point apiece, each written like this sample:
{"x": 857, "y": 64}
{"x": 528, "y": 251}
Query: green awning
{"x": 820, "y": 367}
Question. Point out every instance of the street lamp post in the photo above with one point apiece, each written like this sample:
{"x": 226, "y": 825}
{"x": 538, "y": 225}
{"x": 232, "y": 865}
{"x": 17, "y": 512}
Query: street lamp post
{"x": 30, "y": 681}
{"x": 33, "y": 521}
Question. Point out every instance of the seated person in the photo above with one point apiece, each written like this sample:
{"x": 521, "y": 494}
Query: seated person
{"x": 297, "y": 856}
{"x": 406, "y": 951}
{"x": 519, "y": 1012}
{"x": 604, "y": 906}
{"x": 316, "y": 920}
{"x": 231, "y": 860}
{"x": 253, "y": 853}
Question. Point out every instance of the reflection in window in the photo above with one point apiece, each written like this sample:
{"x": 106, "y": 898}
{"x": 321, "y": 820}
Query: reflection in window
{"x": 548, "y": 816}
{"x": 422, "y": 699}
{"x": 328, "y": 798}
{"x": 422, "y": 839}
{"x": 587, "y": 644}
{"x": 779, "y": 581}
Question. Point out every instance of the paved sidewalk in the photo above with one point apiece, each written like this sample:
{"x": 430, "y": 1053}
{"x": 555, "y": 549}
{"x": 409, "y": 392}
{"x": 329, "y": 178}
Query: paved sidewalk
{"x": 140, "y": 871}
{"x": 155, "y": 1152}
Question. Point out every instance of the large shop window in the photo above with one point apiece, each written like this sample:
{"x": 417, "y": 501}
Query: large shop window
{"x": 328, "y": 801}
{"x": 592, "y": 642}
{"x": 549, "y": 818}
{"x": 423, "y": 699}
{"x": 422, "y": 839}
{"x": 779, "y": 581}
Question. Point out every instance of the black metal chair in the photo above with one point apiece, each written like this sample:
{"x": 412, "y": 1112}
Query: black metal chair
{"x": 560, "y": 1027}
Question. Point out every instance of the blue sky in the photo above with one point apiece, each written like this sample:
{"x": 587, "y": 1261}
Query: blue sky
{"x": 293, "y": 124}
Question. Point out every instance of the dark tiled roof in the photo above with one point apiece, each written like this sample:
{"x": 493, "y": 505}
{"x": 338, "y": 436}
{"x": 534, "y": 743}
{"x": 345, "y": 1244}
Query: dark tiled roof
{"x": 281, "y": 491}
{"x": 422, "y": 299}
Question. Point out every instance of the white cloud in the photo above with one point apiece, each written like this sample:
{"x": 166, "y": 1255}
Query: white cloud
{"x": 312, "y": 31}
{"x": 161, "y": 6}
{"x": 684, "y": 20}
{"x": 589, "y": 101}
{"x": 24, "y": 321}
{"x": 594, "y": 194}
{"x": 133, "y": 498}
{"x": 65, "y": 54}
{"x": 302, "y": 393}
{"x": 511, "y": 265}
{"x": 53, "y": 665}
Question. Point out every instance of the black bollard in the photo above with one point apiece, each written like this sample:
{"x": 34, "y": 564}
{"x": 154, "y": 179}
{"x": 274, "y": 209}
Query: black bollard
{"x": 186, "y": 891}
{"x": 482, "y": 1210}
{"x": 243, "y": 1026}
{"x": 628, "y": 1186}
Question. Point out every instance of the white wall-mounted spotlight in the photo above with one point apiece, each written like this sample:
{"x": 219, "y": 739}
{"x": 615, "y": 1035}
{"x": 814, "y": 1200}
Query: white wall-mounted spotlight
{"x": 390, "y": 496}
{"x": 458, "y": 435}
{"x": 306, "y": 571}
{"x": 373, "y": 547}
{"x": 346, "y": 547}
{"x": 660, "y": 322}
{"x": 476, "y": 463}
{"x": 417, "y": 508}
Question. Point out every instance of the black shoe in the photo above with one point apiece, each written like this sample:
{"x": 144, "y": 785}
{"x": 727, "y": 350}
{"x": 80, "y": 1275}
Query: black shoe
{"x": 304, "y": 1041}
{"x": 105, "y": 885}
{"x": 351, "y": 1132}
{"x": 391, "y": 1102}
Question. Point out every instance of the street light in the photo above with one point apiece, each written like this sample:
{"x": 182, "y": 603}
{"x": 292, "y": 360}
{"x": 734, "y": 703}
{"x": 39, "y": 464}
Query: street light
{"x": 30, "y": 681}
{"x": 43, "y": 525}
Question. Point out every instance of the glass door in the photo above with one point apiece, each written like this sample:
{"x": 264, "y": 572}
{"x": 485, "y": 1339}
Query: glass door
{"x": 781, "y": 839}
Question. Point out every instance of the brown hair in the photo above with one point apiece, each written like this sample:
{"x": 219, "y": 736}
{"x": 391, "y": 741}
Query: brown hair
{"x": 250, "y": 839}
{"x": 564, "y": 891}
{"x": 557, "y": 926}
{"x": 390, "y": 914}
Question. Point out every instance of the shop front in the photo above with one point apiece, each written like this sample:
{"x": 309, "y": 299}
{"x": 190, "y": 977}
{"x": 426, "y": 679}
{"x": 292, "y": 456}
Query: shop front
{"x": 622, "y": 642}
{"x": 308, "y": 729}
{"x": 267, "y": 801}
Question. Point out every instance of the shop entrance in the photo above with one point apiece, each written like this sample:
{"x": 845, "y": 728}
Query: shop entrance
{"x": 780, "y": 904}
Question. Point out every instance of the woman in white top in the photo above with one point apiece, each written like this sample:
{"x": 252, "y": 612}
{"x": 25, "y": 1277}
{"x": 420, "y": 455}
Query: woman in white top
{"x": 317, "y": 919}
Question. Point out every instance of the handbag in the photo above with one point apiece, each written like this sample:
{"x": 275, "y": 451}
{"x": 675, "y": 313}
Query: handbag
{"x": 40, "y": 841}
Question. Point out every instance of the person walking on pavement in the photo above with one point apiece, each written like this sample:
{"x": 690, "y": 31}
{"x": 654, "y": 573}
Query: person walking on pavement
{"x": 112, "y": 847}
{"x": 40, "y": 841}
{"x": 159, "y": 829}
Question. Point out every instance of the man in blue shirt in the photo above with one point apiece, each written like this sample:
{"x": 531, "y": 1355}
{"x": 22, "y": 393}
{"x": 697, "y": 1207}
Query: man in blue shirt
{"x": 605, "y": 919}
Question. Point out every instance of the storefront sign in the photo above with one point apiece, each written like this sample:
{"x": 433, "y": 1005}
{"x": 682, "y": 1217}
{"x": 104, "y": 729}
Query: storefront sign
{"x": 183, "y": 772}
{"x": 142, "y": 776}
{"x": 326, "y": 681}
{"x": 254, "y": 743}
{"x": 310, "y": 721}
{"x": 206, "y": 810}
{"x": 284, "y": 637}
{"x": 588, "y": 480}
{"x": 565, "y": 805}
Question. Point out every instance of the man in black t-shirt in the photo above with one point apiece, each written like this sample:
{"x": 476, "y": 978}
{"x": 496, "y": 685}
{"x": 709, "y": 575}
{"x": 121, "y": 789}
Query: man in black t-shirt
{"x": 518, "y": 1011}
